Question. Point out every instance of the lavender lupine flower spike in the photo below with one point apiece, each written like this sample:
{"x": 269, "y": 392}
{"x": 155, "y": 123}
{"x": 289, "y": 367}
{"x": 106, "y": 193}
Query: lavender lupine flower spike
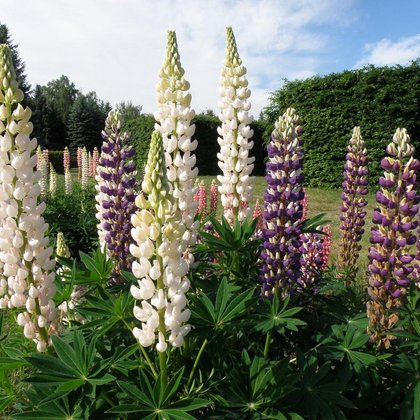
{"x": 159, "y": 266}
{"x": 353, "y": 202}
{"x": 27, "y": 275}
{"x": 115, "y": 195}
{"x": 236, "y": 184}
{"x": 390, "y": 269}
{"x": 283, "y": 206}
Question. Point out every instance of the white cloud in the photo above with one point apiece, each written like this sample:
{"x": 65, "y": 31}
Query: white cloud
{"x": 116, "y": 47}
{"x": 387, "y": 53}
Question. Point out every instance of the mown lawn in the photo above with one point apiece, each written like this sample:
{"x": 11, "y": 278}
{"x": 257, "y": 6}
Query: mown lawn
{"x": 328, "y": 202}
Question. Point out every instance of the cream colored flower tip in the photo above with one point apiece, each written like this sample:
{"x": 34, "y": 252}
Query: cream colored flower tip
{"x": 9, "y": 89}
{"x": 400, "y": 146}
{"x": 357, "y": 139}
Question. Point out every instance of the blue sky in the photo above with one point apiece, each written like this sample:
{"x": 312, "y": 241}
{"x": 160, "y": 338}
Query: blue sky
{"x": 116, "y": 48}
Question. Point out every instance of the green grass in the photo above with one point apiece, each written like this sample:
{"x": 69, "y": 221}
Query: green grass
{"x": 328, "y": 202}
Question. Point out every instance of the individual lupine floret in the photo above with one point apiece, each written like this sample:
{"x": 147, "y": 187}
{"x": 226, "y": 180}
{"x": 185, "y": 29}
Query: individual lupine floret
{"x": 43, "y": 178}
{"x": 236, "y": 183}
{"x": 214, "y": 196}
{"x": 27, "y": 276}
{"x": 115, "y": 195}
{"x": 353, "y": 202}
{"x": 53, "y": 181}
{"x": 174, "y": 115}
{"x": 390, "y": 269}
{"x": 159, "y": 266}
{"x": 283, "y": 206}
{"x": 85, "y": 169}
{"x": 326, "y": 245}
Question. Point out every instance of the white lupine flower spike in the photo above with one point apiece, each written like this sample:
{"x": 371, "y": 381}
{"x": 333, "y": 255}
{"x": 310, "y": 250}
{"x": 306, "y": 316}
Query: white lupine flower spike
{"x": 27, "y": 269}
{"x": 158, "y": 231}
{"x": 174, "y": 117}
{"x": 236, "y": 183}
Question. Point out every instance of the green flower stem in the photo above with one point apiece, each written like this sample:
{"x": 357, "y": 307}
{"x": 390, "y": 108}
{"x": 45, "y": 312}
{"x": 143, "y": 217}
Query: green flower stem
{"x": 163, "y": 365}
{"x": 143, "y": 351}
{"x": 197, "y": 359}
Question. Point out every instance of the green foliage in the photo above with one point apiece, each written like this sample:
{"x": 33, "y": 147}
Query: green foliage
{"x": 56, "y": 158}
{"x": 86, "y": 121}
{"x": 74, "y": 215}
{"x": 377, "y": 99}
{"x": 140, "y": 130}
{"x": 49, "y": 128}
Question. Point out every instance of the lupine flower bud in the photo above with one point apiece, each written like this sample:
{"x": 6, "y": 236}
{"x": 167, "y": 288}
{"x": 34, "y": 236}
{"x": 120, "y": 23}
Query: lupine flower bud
{"x": 53, "y": 181}
{"x": 236, "y": 184}
{"x": 115, "y": 195}
{"x": 27, "y": 276}
{"x": 77, "y": 296}
{"x": 62, "y": 250}
{"x": 214, "y": 197}
{"x": 160, "y": 267}
{"x": 326, "y": 245}
{"x": 390, "y": 271}
{"x": 85, "y": 169}
{"x": 352, "y": 208}
{"x": 283, "y": 206}
{"x": 174, "y": 115}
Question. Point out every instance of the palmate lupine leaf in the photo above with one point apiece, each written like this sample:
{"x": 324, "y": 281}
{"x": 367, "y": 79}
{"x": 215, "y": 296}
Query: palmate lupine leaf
{"x": 318, "y": 392}
{"x": 223, "y": 310}
{"x": 155, "y": 401}
{"x": 257, "y": 389}
{"x": 74, "y": 365}
{"x": 274, "y": 315}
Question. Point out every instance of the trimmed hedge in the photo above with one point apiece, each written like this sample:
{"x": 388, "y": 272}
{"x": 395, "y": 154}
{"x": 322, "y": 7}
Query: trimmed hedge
{"x": 141, "y": 128}
{"x": 379, "y": 100}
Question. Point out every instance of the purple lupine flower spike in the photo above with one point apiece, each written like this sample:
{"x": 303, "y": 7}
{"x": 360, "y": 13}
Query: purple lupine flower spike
{"x": 283, "y": 206}
{"x": 390, "y": 270}
{"x": 115, "y": 195}
{"x": 353, "y": 202}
